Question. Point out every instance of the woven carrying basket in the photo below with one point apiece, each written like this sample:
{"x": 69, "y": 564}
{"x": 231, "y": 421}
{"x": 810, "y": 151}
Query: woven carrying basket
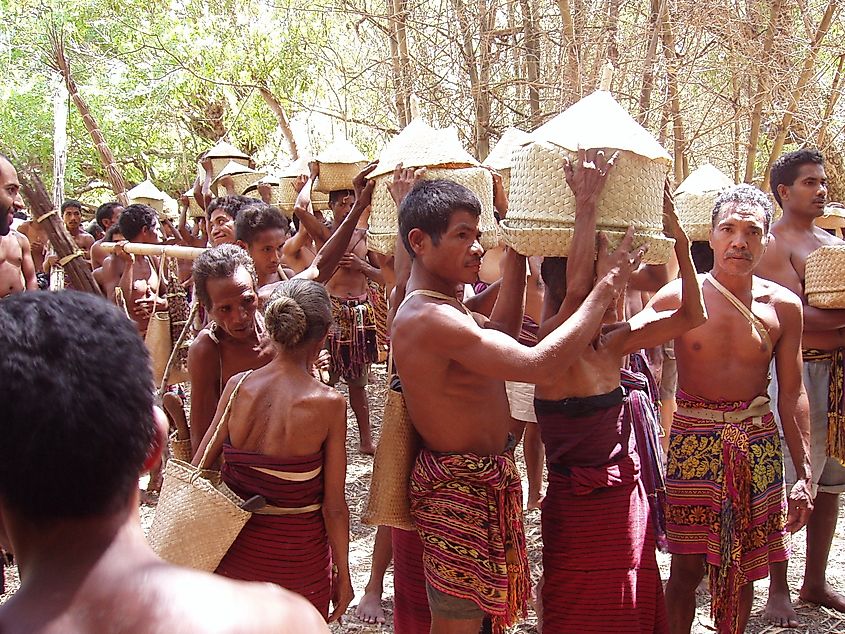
{"x": 287, "y": 196}
{"x": 337, "y": 176}
{"x": 542, "y": 207}
{"x": 384, "y": 220}
{"x": 180, "y": 448}
{"x": 695, "y": 213}
{"x": 833, "y": 218}
{"x": 824, "y": 280}
{"x": 389, "y": 503}
{"x": 219, "y": 163}
{"x": 192, "y": 534}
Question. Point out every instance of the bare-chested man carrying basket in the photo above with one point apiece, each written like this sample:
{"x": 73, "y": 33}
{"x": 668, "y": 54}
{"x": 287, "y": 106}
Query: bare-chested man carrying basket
{"x": 466, "y": 496}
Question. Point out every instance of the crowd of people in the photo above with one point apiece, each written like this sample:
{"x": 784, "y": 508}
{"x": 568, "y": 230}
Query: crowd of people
{"x": 580, "y": 358}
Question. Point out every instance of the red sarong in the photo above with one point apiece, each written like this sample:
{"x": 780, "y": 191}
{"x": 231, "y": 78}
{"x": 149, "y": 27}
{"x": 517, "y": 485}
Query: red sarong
{"x": 599, "y": 567}
{"x": 289, "y": 550}
{"x": 410, "y": 602}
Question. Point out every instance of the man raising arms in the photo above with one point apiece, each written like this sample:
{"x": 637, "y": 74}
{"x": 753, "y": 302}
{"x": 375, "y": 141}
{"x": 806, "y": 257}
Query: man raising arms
{"x": 453, "y": 365}
{"x": 799, "y": 185}
{"x": 726, "y": 503}
{"x": 17, "y": 272}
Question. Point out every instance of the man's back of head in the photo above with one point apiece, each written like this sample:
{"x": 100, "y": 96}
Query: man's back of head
{"x": 78, "y": 427}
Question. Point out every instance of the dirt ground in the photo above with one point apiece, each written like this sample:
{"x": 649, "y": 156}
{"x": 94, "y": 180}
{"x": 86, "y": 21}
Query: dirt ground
{"x": 815, "y": 620}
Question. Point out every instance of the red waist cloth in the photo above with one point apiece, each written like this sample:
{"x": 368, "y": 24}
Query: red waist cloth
{"x": 599, "y": 567}
{"x": 410, "y": 602}
{"x": 289, "y": 550}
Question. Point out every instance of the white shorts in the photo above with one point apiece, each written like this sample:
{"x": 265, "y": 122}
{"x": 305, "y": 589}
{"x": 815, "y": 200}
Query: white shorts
{"x": 521, "y": 399}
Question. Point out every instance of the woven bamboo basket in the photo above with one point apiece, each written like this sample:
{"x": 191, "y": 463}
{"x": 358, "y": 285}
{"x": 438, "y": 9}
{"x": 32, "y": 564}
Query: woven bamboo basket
{"x": 542, "y": 207}
{"x": 384, "y": 220}
{"x": 222, "y": 154}
{"x": 501, "y": 157}
{"x": 146, "y": 193}
{"x": 696, "y": 197}
{"x": 833, "y": 218}
{"x": 180, "y": 448}
{"x": 242, "y": 177}
{"x": 388, "y": 503}
{"x": 194, "y": 210}
{"x": 275, "y": 190}
{"x": 337, "y": 176}
{"x": 824, "y": 277}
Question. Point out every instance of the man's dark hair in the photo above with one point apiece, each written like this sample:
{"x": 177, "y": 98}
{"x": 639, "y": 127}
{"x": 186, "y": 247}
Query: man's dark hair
{"x": 338, "y": 195}
{"x": 702, "y": 256}
{"x": 106, "y": 210}
{"x": 94, "y": 229}
{"x": 134, "y": 218}
{"x": 744, "y": 195}
{"x": 219, "y": 262}
{"x": 258, "y": 217}
{"x": 109, "y": 236}
{"x": 785, "y": 169}
{"x": 70, "y": 202}
{"x": 77, "y": 418}
{"x": 430, "y": 204}
{"x": 231, "y": 205}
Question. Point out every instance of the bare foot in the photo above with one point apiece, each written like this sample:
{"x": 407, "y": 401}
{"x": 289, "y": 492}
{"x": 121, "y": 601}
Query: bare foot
{"x": 779, "y": 611}
{"x": 367, "y": 450}
{"x": 826, "y": 596}
{"x": 535, "y": 502}
{"x": 369, "y": 609}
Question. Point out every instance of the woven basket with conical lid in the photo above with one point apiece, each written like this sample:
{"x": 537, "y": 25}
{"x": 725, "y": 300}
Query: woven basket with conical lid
{"x": 439, "y": 150}
{"x": 824, "y": 282}
{"x": 339, "y": 163}
{"x": 696, "y": 197}
{"x": 146, "y": 193}
{"x": 242, "y": 177}
{"x": 222, "y": 154}
{"x": 541, "y": 217}
{"x": 501, "y": 157}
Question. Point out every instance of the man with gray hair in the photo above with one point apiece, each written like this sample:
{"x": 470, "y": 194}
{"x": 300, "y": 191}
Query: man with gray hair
{"x": 727, "y": 507}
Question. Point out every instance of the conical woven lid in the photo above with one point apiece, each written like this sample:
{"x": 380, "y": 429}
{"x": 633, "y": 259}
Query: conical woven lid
{"x": 270, "y": 179}
{"x": 297, "y": 168}
{"x": 705, "y": 179}
{"x": 225, "y": 150}
{"x": 145, "y": 190}
{"x": 833, "y": 218}
{"x": 341, "y": 151}
{"x": 500, "y": 157}
{"x": 420, "y": 145}
{"x": 598, "y": 121}
{"x": 236, "y": 169}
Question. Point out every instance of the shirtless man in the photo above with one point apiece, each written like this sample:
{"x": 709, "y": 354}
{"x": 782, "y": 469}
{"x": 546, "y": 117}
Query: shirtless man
{"x": 17, "y": 272}
{"x": 107, "y": 215}
{"x": 109, "y": 580}
{"x": 137, "y": 277}
{"x": 453, "y": 365}
{"x": 799, "y": 185}
{"x": 724, "y": 482}
{"x": 262, "y": 230}
{"x": 352, "y": 339}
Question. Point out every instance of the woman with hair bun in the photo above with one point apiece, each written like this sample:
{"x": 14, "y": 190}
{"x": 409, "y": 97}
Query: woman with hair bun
{"x": 283, "y": 438}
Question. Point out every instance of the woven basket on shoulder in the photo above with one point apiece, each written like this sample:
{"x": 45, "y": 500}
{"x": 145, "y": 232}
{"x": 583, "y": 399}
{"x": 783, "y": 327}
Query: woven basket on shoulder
{"x": 824, "y": 281}
{"x": 180, "y": 448}
{"x": 542, "y": 207}
{"x": 384, "y": 220}
{"x": 389, "y": 502}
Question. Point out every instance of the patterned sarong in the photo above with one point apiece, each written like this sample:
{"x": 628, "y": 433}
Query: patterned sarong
{"x": 835, "y": 398}
{"x": 726, "y": 499}
{"x": 411, "y": 614}
{"x": 352, "y": 340}
{"x": 468, "y": 511}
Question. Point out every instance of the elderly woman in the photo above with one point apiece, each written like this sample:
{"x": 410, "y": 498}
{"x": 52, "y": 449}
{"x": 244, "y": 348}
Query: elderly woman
{"x": 282, "y": 435}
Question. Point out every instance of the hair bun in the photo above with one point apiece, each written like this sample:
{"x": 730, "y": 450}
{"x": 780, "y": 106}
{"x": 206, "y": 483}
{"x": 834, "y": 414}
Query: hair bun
{"x": 285, "y": 321}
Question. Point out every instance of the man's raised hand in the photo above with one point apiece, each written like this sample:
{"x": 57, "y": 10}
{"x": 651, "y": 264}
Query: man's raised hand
{"x": 587, "y": 178}
{"x": 618, "y": 266}
{"x": 671, "y": 224}
{"x": 404, "y": 179}
{"x": 363, "y": 186}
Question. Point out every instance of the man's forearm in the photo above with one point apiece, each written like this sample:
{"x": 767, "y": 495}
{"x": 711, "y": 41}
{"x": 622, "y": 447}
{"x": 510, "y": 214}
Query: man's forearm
{"x": 794, "y": 411}
{"x": 508, "y": 310}
{"x": 329, "y": 255}
{"x": 822, "y": 319}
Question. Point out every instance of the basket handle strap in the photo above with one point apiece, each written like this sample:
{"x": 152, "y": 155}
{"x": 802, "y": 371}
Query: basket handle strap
{"x": 223, "y": 419}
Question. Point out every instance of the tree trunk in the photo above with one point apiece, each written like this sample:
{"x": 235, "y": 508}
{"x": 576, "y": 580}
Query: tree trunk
{"x": 835, "y": 93}
{"x": 532, "y": 55}
{"x": 58, "y": 61}
{"x": 760, "y": 95}
{"x": 399, "y": 60}
{"x": 571, "y": 76}
{"x": 657, "y": 8}
{"x": 803, "y": 78}
{"x": 678, "y": 136}
{"x": 282, "y": 117}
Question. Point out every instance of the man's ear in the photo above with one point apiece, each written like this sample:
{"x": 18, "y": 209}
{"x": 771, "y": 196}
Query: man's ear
{"x": 158, "y": 442}
{"x": 242, "y": 245}
{"x": 419, "y": 240}
{"x": 783, "y": 192}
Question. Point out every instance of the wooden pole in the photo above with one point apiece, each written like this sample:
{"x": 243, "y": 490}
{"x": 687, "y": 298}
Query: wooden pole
{"x": 168, "y": 250}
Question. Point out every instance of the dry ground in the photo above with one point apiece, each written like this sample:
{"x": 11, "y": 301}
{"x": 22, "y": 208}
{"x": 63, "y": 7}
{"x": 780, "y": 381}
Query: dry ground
{"x": 815, "y": 620}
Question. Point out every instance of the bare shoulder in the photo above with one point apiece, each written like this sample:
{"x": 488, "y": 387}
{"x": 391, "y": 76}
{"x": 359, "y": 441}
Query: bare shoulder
{"x": 424, "y": 316}
{"x": 202, "y": 346}
{"x": 775, "y": 294}
{"x": 22, "y": 240}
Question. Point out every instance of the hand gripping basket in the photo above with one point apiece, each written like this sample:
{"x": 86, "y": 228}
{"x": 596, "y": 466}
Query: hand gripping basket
{"x": 696, "y": 197}
{"x": 824, "y": 277}
{"x": 286, "y": 194}
{"x": 384, "y": 221}
{"x": 541, "y": 217}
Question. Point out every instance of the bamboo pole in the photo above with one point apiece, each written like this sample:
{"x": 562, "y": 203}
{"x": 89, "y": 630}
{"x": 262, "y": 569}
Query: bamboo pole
{"x": 167, "y": 250}
{"x": 57, "y": 60}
